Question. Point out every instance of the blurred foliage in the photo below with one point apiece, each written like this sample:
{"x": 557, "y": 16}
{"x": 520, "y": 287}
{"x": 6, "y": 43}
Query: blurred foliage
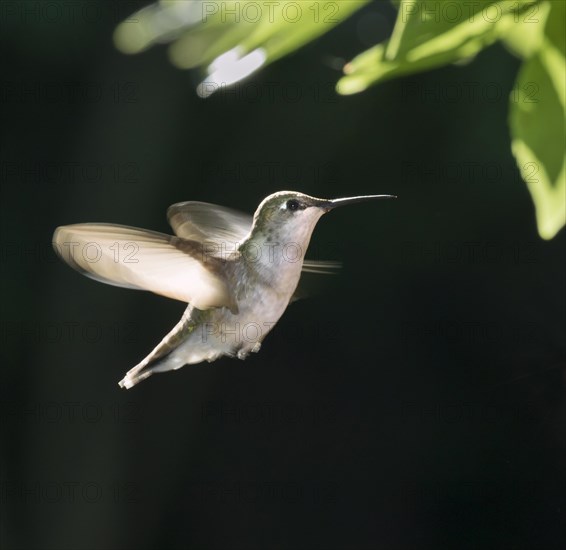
{"x": 230, "y": 40}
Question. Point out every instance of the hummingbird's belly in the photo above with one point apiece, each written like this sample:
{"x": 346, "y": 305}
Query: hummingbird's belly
{"x": 242, "y": 333}
{"x": 218, "y": 332}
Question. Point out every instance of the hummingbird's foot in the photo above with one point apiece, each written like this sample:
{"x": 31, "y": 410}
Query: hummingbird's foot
{"x": 244, "y": 352}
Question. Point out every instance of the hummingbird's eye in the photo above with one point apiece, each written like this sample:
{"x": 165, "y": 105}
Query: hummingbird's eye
{"x": 293, "y": 205}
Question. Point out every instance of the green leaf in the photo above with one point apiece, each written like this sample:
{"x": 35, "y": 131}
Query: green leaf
{"x": 537, "y": 123}
{"x": 429, "y": 27}
{"x": 434, "y": 25}
{"x": 524, "y": 34}
{"x": 430, "y": 34}
{"x": 373, "y": 66}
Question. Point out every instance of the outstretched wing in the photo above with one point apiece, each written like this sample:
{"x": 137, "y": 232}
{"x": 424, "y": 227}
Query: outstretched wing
{"x": 146, "y": 260}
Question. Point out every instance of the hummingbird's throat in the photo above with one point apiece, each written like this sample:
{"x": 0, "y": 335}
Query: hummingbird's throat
{"x": 272, "y": 250}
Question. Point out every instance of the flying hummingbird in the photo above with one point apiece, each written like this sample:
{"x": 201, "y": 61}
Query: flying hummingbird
{"x": 237, "y": 273}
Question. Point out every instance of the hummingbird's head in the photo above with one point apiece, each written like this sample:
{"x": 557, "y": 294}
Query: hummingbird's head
{"x": 290, "y": 216}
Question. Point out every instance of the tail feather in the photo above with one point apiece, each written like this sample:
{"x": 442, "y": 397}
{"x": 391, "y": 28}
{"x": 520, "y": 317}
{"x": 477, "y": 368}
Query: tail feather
{"x": 186, "y": 344}
{"x": 162, "y": 357}
{"x": 135, "y": 376}
{"x": 147, "y": 367}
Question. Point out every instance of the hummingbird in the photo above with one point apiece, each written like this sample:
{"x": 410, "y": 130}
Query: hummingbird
{"x": 237, "y": 273}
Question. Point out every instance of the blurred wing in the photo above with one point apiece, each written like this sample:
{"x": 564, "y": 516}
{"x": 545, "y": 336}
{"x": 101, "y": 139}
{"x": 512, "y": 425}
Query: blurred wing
{"x": 311, "y": 283}
{"x": 324, "y": 267}
{"x": 204, "y": 222}
{"x": 145, "y": 260}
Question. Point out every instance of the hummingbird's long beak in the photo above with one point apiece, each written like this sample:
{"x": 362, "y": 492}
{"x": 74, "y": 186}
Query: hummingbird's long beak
{"x": 329, "y": 205}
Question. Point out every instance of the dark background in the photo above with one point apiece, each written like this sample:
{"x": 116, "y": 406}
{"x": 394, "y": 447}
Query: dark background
{"x": 418, "y": 403}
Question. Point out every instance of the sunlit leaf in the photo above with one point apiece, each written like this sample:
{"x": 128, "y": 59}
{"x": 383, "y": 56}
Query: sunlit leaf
{"x": 430, "y": 34}
{"x": 523, "y": 34}
{"x": 429, "y": 27}
{"x": 537, "y": 120}
{"x": 373, "y": 66}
